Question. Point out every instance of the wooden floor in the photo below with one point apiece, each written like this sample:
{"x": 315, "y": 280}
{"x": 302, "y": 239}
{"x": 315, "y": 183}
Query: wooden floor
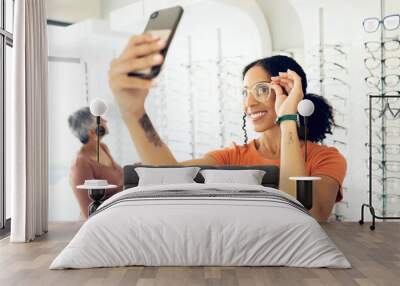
{"x": 375, "y": 257}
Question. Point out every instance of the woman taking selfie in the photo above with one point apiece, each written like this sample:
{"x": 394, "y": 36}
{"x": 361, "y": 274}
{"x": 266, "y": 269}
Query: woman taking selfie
{"x": 272, "y": 88}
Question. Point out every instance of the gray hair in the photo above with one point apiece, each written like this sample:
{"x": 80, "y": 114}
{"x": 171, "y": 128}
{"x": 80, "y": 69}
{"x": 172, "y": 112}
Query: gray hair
{"x": 81, "y": 122}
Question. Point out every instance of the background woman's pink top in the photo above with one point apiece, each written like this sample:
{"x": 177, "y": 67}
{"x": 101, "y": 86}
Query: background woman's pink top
{"x": 85, "y": 168}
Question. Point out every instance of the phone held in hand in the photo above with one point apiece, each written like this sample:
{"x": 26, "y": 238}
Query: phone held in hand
{"x": 162, "y": 23}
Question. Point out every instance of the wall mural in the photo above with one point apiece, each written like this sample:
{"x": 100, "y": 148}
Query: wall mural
{"x": 196, "y": 105}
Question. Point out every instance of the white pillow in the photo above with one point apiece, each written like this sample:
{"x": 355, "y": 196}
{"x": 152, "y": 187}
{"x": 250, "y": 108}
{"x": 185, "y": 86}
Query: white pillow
{"x": 248, "y": 177}
{"x": 162, "y": 176}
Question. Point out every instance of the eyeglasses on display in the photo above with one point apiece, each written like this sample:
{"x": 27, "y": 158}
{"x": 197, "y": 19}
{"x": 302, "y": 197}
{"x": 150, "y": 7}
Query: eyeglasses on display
{"x": 328, "y": 66}
{"x": 391, "y": 96}
{"x": 391, "y": 149}
{"x": 339, "y": 116}
{"x": 391, "y": 166}
{"x": 337, "y": 98}
{"x": 392, "y": 132}
{"x": 332, "y": 66}
{"x": 389, "y": 45}
{"x": 389, "y": 80}
{"x": 388, "y": 112}
{"x": 389, "y": 23}
{"x": 329, "y": 50}
{"x": 329, "y": 81}
{"x": 392, "y": 184}
{"x": 390, "y": 62}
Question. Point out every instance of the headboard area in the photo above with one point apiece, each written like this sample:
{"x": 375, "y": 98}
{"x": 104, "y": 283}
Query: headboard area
{"x": 270, "y": 179}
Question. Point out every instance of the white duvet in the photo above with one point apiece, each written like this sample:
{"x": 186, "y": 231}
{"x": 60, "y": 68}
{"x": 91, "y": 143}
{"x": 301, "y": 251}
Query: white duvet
{"x": 183, "y": 231}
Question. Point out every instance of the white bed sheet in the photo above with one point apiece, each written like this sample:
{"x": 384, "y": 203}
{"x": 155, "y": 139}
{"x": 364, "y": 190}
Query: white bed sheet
{"x": 200, "y": 231}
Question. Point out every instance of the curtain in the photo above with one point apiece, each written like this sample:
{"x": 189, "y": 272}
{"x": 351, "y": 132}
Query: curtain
{"x": 28, "y": 116}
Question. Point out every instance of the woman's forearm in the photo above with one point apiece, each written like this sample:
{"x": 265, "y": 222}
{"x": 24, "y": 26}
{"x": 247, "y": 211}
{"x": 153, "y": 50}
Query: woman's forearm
{"x": 151, "y": 149}
{"x": 291, "y": 161}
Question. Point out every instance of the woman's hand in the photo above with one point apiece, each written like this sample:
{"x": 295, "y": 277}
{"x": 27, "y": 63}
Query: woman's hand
{"x": 130, "y": 92}
{"x": 289, "y": 92}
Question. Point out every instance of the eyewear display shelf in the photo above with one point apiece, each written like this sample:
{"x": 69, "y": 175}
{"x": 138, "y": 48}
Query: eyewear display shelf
{"x": 384, "y": 102}
{"x": 370, "y": 202}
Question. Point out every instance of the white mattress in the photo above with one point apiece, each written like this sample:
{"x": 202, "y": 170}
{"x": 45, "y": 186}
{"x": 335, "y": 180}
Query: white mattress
{"x": 183, "y": 231}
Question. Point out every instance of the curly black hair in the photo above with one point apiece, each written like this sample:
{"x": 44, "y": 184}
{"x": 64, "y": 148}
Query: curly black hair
{"x": 321, "y": 121}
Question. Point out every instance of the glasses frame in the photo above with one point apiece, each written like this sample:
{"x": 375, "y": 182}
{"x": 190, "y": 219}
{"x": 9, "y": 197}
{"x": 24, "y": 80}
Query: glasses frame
{"x": 382, "y": 21}
{"x": 380, "y": 148}
{"x": 382, "y": 78}
{"x": 255, "y": 93}
{"x": 394, "y": 112}
{"x": 329, "y": 81}
{"x": 383, "y": 164}
{"x": 381, "y": 61}
{"x": 381, "y": 45}
{"x": 390, "y": 182}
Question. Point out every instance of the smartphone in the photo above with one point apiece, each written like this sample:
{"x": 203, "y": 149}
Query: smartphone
{"x": 162, "y": 23}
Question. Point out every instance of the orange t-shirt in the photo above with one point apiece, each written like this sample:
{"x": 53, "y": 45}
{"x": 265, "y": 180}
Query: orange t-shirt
{"x": 321, "y": 160}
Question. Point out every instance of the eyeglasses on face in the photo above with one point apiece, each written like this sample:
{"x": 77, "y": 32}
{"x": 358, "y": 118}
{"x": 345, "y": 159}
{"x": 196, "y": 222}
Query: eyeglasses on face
{"x": 390, "y": 23}
{"x": 389, "y": 62}
{"x": 260, "y": 90}
{"x": 389, "y": 45}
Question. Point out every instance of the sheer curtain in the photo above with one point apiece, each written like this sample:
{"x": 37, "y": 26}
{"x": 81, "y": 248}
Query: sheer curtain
{"x": 28, "y": 117}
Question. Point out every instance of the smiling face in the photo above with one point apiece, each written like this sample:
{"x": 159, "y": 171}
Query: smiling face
{"x": 261, "y": 114}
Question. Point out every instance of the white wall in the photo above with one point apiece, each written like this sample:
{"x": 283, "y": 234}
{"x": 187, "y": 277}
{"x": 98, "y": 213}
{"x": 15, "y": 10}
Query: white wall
{"x": 63, "y": 99}
{"x": 284, "y": 22}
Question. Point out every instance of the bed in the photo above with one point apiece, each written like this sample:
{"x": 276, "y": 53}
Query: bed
{"x": 198, "y": 224}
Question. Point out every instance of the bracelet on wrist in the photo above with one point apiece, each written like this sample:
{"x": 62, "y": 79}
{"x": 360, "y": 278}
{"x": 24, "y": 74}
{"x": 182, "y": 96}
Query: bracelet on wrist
{"x": 291, "y": 117}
